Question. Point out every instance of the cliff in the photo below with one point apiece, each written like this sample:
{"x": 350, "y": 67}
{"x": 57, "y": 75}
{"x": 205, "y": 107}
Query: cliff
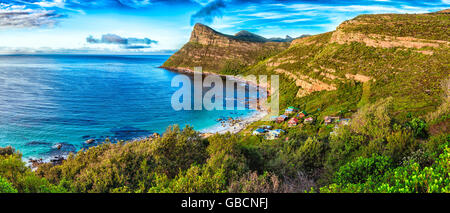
{"x": 215, "y": 51}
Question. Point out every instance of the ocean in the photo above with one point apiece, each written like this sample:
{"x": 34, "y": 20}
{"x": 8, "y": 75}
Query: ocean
{"x": 47, "y": 100}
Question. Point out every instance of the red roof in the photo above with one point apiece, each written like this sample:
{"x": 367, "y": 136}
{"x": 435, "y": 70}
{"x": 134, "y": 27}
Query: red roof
{"x": 293, "y": 120}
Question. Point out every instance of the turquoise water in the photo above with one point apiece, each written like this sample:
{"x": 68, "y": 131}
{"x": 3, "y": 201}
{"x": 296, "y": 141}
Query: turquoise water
{"x": 67, "y": 99}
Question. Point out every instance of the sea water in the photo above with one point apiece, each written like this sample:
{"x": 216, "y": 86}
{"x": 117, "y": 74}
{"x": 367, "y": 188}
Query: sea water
{"x": 66, "y": 99}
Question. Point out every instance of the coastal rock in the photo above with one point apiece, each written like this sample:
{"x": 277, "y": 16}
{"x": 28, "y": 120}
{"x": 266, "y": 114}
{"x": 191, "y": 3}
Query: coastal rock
{"x": 89, "y": 141}
{"x": 57, "y": 160}
{"x": 58, "y": 146}
{"x": 156, "y": 135}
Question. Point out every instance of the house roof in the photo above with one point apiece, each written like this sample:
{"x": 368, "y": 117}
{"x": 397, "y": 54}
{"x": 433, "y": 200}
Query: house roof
{"x": 293, "y": 119}
{"x": 276, "y": 131}
{"x": 260, "y": 130}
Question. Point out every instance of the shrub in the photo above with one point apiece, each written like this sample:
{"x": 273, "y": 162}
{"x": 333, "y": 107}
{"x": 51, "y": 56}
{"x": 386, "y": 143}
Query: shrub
{"x": 22, "y": 179}
{"x": 6, "y": 187}
{"x": 363, "y": 169}
{"x": 418, "y": 127}
{"x": 374, "y": 120}
{"x": 310, "y": 155}
{"x": 253, "y": 183}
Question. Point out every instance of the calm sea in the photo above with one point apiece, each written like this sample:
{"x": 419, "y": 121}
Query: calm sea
{"x": 67, "y": 99}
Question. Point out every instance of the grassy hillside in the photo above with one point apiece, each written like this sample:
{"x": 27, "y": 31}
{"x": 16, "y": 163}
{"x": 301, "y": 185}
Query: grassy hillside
{"x": 433, "y": 26}
{"x": 416, "y": 80}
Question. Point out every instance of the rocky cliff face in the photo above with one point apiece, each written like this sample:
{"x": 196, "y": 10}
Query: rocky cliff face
{"x": 213, "y": 50}
{"x": 204, "y": 35}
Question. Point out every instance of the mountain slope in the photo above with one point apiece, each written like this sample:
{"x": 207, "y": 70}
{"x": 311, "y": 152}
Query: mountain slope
{"x": 410, "y": 64}
{"x": 405, "y": 56}
{"x": 214, "y": 51}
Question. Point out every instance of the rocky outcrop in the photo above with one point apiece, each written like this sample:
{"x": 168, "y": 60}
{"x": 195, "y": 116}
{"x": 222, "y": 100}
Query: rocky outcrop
{"x": 446, "y": 11}
{"x": 307, "y": 84}
{"x": 358, "y": 77}
{"x": 395, "y": 30}
{"x": 205, "y": 35}
{"x": 212, "y": 50}
{"x": 383, "y": 41}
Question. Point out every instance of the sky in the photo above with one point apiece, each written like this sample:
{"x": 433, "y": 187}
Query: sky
{"x": 163, "y": 26}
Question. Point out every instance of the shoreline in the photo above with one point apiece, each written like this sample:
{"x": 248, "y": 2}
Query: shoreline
{"x": 233, "y": 77}
{"x": 234, "y": 126}
{"x": 260, "y": 112}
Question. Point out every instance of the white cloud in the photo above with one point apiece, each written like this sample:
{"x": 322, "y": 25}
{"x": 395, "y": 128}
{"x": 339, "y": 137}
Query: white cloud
{"x": 17, "y": 16}
{"x": 296, "y": 20}
{"x": 54, "y": 3}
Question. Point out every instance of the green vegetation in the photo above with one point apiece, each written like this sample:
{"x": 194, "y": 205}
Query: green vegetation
{"x": 387, "y": 157}
{"x": 377, "y": 175}
{"x": 16, "y": 177}
{"x": 432, "y": 26}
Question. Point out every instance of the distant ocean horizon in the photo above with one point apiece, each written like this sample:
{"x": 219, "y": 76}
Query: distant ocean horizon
{"x": 47, "y": 100}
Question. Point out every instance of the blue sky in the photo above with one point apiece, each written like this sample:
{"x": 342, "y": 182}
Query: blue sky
{"x": 146, "y": 26}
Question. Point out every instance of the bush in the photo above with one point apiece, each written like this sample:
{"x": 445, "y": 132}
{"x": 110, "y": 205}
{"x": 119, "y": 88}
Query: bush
{"x": 6, "y": 187}
{"x": 400, "y": 144}
{"x": 310, "y": 156}
{"x": 374, "y": 120}
{"x": 363, "y": 169}
{"x": 410, "y": 178}
{"x": 418, "y": 127}
{"x": 195, "y": 180}
{"x": 253, "y": 183}
{"x": 7, "y": 150}
{"x": 22, "y": 179}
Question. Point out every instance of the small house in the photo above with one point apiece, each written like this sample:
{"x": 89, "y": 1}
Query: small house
{"x": 308, "y": 120}
{"x": 293, "y": 122}
{"x": 273, "y": 118}
{"x": 259, "y": 131}
{"x": 330, "y": 119}
{"x": 302, "y": 114}
{"x": 281, "y": 118}
{"x": 274, "y": 134}
{"x": 290, "y": 110}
